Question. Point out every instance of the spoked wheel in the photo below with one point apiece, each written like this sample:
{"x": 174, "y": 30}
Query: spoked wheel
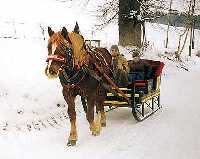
{"x": 146, "y": 107}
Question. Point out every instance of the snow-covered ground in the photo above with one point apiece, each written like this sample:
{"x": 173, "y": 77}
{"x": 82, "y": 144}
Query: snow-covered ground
{"x": 31, "y": 104}
{"x": 170, "y": 133}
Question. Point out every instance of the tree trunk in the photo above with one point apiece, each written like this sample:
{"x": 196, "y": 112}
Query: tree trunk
{"x": 129, "y": 26}
{"x": 168, "y": 16}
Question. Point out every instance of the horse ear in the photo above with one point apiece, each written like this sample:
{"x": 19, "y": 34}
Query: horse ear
{"x": 76, "y": 28}
{"x": 50, "y": 31}
{"x": 64, "y": 32}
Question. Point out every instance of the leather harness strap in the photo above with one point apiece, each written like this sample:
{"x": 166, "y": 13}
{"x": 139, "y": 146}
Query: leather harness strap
{"x": 108, "y": 78}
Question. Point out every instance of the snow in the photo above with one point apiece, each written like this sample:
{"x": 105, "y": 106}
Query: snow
{"x": 27, "y": 96}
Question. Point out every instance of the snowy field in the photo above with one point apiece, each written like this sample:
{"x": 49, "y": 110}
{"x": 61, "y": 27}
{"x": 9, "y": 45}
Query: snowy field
{"x": 32, "y": 115}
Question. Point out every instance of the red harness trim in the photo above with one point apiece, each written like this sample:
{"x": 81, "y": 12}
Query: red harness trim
{"x": 56, "y": 58}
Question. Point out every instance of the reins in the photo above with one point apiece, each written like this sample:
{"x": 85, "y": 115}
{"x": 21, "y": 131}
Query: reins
{"x": 108, "y": 79}
{"x": 71, "y": 78}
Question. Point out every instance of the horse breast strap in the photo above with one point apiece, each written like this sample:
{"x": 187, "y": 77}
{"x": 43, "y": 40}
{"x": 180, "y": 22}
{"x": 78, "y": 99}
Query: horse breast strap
{"x": 75, "y": 79}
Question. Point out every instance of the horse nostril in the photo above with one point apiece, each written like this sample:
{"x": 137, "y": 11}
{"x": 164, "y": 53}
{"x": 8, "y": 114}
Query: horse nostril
{"x": 51, "y": 72}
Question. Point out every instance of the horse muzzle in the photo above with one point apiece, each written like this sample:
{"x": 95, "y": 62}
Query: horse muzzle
{"x": 51, "y": 74}
{"x": 52, "y": 70}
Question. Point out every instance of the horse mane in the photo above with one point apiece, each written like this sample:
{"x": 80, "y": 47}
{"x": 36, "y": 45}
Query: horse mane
{"x": 80, "y": 50}
{"x": 79, "y": 53}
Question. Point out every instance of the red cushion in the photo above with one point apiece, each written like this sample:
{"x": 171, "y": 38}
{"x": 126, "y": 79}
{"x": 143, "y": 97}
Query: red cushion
{"x": 157, "y": 66}
{"x": 140, "y": 84}
{"x": 140, "y": 81}
{"x": 159, "y": 69}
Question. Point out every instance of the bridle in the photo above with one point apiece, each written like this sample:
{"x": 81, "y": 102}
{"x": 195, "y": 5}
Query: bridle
{"x": 70, "y": 75}
{"x": 56, "y": 58}
{"x": 65, "y": 58}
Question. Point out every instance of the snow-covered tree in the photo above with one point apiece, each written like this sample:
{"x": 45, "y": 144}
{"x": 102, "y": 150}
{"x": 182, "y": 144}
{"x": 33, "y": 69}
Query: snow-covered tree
{"x": 130, "y": 15}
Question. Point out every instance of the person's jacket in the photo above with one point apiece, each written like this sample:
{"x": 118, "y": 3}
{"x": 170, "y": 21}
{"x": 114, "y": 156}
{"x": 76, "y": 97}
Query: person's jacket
{"x": 120, "y": 62}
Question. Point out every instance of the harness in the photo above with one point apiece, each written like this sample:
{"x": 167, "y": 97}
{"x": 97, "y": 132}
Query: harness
{"x": 72, "y": 76}
{"x": 76, "y": 77}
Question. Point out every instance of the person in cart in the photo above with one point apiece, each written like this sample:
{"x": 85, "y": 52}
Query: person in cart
{"x": 119, "y": 66}
{"x": 139, "y": 69}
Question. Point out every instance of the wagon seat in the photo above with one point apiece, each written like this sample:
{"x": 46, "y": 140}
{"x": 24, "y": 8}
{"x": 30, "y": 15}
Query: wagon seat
{"x": 147, "y": 80}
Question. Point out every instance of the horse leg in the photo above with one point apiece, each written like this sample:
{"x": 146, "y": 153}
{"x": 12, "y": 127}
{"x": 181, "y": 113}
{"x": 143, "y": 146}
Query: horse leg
{"x": 100, "y": 108}
{"x": 103, "y": 118}
{"x": 95, "y": 126}
{"x": 72, "y": 116}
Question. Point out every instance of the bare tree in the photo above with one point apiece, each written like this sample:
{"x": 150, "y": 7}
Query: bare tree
{"x": 167, "y": 38}
{"x": 189, "y": 27}
{"x": 191, "y": 16}
{"x": 130, "y": 15}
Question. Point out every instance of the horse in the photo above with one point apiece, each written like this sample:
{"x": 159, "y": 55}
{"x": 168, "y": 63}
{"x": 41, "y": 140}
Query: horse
{"x": 75, "y": 65}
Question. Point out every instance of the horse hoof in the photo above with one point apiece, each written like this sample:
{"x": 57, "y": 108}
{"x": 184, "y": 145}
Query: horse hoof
{"x": 71, "y": 143}
{"x": 96, "y": 133}
{"x": 103, "y": 124}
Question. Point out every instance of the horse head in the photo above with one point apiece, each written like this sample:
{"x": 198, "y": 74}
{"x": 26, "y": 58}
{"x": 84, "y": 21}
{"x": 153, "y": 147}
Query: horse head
{"x": 65, "y": 49}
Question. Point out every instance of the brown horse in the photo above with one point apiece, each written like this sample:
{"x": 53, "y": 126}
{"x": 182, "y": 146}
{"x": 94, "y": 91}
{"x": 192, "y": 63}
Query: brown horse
{"x": 75, "y": 65}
